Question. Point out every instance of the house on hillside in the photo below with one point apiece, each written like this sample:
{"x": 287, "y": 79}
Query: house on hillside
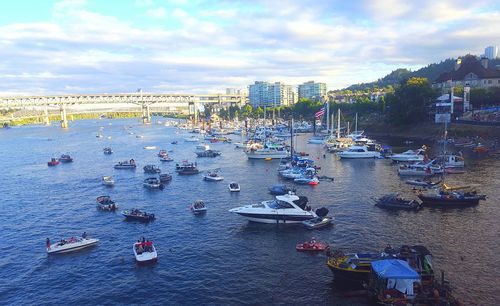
{"x": 470, "y": 71}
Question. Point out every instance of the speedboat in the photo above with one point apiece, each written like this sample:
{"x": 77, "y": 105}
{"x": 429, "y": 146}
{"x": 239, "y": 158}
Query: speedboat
{"x": 107, "y": 151}
{"x": 321, "y": 221}
{"x": 105, "y": 203}
{"x": 65, "y": 158}
{"x": 53, "y": 162}
{"x": 139, "y": 136}
{"x": 213, "y": 176}
{"x": 208, "y": 153}
{"x": 311, "y": 246}
{"x": 71, "y": 244}
{"x": 420, "y": 170}
{"x": 316, "y": 140}
{"x": 174, "y": 142}
{"x": 150, "y": 147}
{"x": 307, "y": 180}
{"x": 153, "y": 183}
{"x": 186, "y": 168}
{"x": 393, "y": 201}
{"x": 166, "y": 158}
{"x": 449, "y": 196}
{"x": 409, "y": 156}
{"x": 135, "y": 214}
{"x": 198, "y": 207}
{"x": 280, "y": 189}
{"x": 423, "y": 183}
{"x": 108, "y": 180}
{"x": 145, "y": 252}
{"x": 452, "y": 161}
{"x": 287, "y": 208}
{"x": 358, "y": 152}
{"x": 256, "y": 151}
{"x": 151, "y": 169}
{"x": 126, "y": 165}
{"x": 191, "y": 139}
{"x": 162, "y": 153}
{"x": 165, "y": 177}
{"x": 234, "y": 187}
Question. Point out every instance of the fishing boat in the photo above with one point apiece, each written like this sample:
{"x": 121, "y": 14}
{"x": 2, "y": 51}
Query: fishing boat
{"x": 198, "y": 207}
{"x": 409, "y": 156}
{"x": 151, "y": 169}
{"x": 186, "y": 168}
{"x": 287, "y": 208}
{"x": 152, "y": 183}
{"x": 136, "y": 214}
{"x": 423, "y": 183}
{"x": 164, "y": 178}
{"x": 126, "y": 165}
{"x": 107, "y": 151}
{"x": 312, "y": 246}
{"x": 108, "y": 180}
{"x": 449, "y": 196}
{"x": 234, "y": 187}
{"x": 356, "y": 152}
{"x": 71, "y": 244}
{"x": 53, "y": 162}
{"x": 280, "y": 189}
{"x": 105, "y": 203}
{"x": 393, "y": 201}
{"x": 65, "y": 158}
{"x": 145, "y": 252}
{"x": 213, "y": 176}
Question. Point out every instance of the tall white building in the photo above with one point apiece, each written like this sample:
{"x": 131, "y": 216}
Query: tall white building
{"x": 312, "y": 90}
{"x": 270, "y": 94}
{"x": 491, "y": 52}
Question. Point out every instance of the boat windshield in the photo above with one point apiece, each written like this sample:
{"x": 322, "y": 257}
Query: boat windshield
{"x": 277, "y": 204}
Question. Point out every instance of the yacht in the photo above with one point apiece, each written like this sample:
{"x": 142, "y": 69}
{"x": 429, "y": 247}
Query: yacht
{"x": 266, "y": 151}
{"x": 409, "y": 156}
{"x": 359, "y": 152}
{"x": 287, "y": 208}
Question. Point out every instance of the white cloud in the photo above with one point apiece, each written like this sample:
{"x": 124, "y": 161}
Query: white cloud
{"x": 158, "y": 12}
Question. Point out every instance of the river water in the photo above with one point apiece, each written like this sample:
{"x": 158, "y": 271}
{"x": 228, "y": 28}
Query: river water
{"x": 219, "y": 258}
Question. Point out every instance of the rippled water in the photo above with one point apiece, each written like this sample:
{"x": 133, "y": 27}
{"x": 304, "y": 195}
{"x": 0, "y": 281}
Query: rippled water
{"x": 218, "y": 258}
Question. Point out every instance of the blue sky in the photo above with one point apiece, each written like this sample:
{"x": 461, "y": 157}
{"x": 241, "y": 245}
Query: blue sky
{"x": 205, "y": 46}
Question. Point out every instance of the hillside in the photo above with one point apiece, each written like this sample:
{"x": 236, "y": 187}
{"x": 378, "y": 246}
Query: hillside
{"x": 430, "y": 72}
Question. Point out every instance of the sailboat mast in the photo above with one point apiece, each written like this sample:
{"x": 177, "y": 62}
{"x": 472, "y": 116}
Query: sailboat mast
{"x": 356, "y": 124}
{"x": 291, "y": 140}
{"x": 327, "y": 116}
{"x": 338, "y": 124}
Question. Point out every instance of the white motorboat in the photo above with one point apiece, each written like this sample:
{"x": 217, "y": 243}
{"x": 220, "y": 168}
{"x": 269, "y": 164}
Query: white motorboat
{"x": 126, "y": 165}
{"x": 199, "y": 207}
{"x": 234, "y": 187}
{"x": 420, "y": 169}
{"x": 287, "y": 208}
{"x": 145, "y": 252}
{"x": 266, "y": 152}
{"x": 108, "y": 180}
{"x": 316, "y": 140}
{"x": 150, "y": 147}
{"x": 191, "y": 139}
{"x": 202, "y": 147}
{"x": 105, "y": 203}
{"x": 358, "y": 152}
{"x": 166, "y": 158}
{"x": 409, "y": 156}
{"x": 451, "y": 161}
{"x": 213, "y": 176}
{"x": 70, "y": 245}
{"x": 152, "y": 183}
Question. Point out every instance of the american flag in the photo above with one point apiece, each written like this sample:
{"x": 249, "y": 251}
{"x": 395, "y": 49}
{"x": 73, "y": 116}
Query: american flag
{"x": 320, "y": 113}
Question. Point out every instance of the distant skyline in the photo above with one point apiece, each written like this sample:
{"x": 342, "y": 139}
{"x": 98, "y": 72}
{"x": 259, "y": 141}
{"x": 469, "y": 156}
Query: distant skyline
{"x": 201, "y": 46}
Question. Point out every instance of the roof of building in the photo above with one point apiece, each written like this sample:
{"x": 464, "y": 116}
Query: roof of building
{"x": 470, "y": 64}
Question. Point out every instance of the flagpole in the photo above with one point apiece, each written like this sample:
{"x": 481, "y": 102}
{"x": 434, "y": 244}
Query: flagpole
{"x": 327, "y": 116}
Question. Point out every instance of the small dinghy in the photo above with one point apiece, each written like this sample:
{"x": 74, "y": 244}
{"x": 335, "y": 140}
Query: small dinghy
{"x": 145, "y": 252}
{"x": 234, "y": 187}
{"x": 71, "y": 244}
{"x": 151, "y": 169}
{"x": 164, "y": 178}
{"x": 321, "y": 221}
{"x": 105, "y": 203}
{"x": 53, "y": 162}
{"x": 107, "y": 151}
{"x": 199, "y": 207}
{"x": 136, "y": 214}
{"x": 312, "y": 246}
{"x": 393, "y": 201}
{"x": 423, "y": 183}
{"x": 153, "y": 183}
{"x": 126, "y": 165}
{"x": 213, "y": 176}
{"x": 65, "y": 158}
{"x": 108, "y": 180}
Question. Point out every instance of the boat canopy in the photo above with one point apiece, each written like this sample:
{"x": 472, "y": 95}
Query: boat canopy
{"x": 394, "y": 269}
{"x": 301, "y": 202}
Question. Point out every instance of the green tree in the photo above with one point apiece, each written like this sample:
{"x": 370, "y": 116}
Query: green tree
{"x": 247, "y": 111}
{"x": 258, "y": 112}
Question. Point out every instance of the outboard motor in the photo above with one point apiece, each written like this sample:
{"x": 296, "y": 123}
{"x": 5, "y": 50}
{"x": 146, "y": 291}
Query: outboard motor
{"x": 322, "y": 212}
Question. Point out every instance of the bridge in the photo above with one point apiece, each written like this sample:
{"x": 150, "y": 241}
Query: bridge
{"x": 144, "y": 100}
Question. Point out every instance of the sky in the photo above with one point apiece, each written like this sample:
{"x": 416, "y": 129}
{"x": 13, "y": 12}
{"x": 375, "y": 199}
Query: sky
{"x": 204, "y": 46}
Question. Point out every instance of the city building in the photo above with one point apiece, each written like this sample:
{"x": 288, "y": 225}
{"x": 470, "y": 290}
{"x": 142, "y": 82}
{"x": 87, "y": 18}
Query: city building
{"x": 312, "y": 90}
{"x": 270, "y": 94}
{"x": 491, "y": 52}
{"x": 470, "y": 71}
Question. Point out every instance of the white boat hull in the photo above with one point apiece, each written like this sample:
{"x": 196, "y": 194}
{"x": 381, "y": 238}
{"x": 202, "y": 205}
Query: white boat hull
{"x": 72, "y": 247}
{"x": 348, "y": 155}
{"x": 270, "y": 155}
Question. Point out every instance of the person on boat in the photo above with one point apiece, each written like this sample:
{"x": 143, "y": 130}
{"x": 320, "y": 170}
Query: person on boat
{"x": 84, "y": 235}
{"x": 143, "y": 239}
{"x": 132, "y": 161}
{"x": 48, "y": 243}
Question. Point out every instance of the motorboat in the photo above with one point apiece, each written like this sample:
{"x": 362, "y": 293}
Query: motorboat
{"x": 449, "y": 196}
{"x": 186, "y": 168}
{"x": 208, "y": 153}
{"x": 71, "y": 244}
{"x": 164, "y": 178}
{"x": 105, "y": 203}
{"x": 145, "y": 252}
{"x": 53, "y": 162}
{"x": 287, "y": 208}
{"x": 316, "y": 140}
{"x": 108, "y": 180}
{"x": 174, "y": 142}
{"x": 151, "y": 169}
{"x": 409, "y": 156}
{"x": 191, "y": 139}
{"x": 198, "y": 207}
{"x": 280, "y": 189}
{"x": 321, "y": 221}
{"x": 150, "y": 147}
{"x": 311, "y": 246}
{"x": 420, "y": 170}
{"x": 202, "y": 147}
{"x": 126, "y": 164}
{"x": 451, "y": 161}
{"x": 358, "y": 152}
{"x": 307, "y": 180}
{"x": 107, "y": 151}
{"x": 423, "y": 183}
{"x": 152, "y": 183}
{"x": 139, "y": 136}
{"x": 162, "y": 153}
{"x": 136, "y": 214}
{"x": 99, "y": 135}
{"x": 351, "y": 267}
{"x": 292, "y": 173}
{"x": 234, "y": 187}
{"x": 257, "y": 151}
{"x": 393, "y": 201}
{"x": 65, "y": 158}
{"x": 166, "y": 158}
{"x": 213, "y": 176}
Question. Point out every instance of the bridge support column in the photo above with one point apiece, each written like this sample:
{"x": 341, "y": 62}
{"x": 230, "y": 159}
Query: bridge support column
{"x": 46, "y": 118}
{"x": 146, "y": 115}
{"x": 64, "y": 119}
